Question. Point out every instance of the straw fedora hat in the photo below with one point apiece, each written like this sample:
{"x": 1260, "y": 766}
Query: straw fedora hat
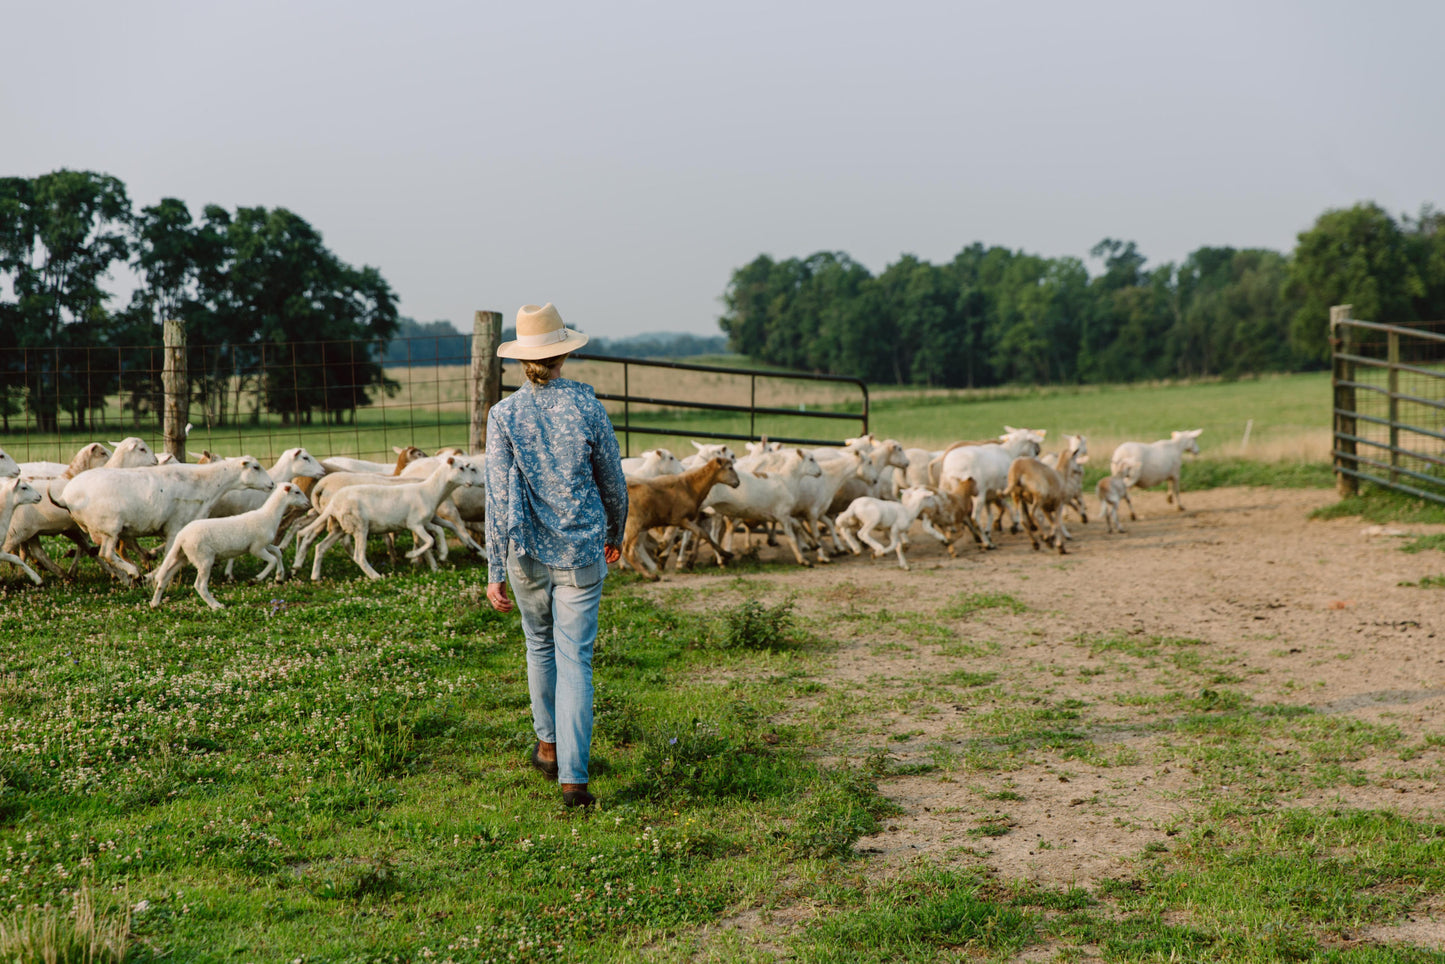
{"x": 541, "y": 334}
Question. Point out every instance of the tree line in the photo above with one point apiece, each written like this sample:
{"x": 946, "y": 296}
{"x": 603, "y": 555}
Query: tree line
{"x": 993, "y": 315}
{"x": 243, "y": 282}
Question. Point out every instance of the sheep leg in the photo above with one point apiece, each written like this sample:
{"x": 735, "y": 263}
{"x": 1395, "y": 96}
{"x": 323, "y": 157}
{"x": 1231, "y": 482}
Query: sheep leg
{"x": 1176, "y": 499}
{"x": 305, "y": 536}
{"x": 321, "y": 547}
{"x": 423, "y": 541}
{"x": 634, "y": 550}
{"x": 203, "y": 581}
{"x": 1029, "y": 521}
{"x": 700, "y": 533}
{"x": 896, "y": 544}
{"x": 980, "y": 524}
{"x": 32, "y": 549}
{"x": 848, "y": 539}
{"x": 358, "y": 550}
{"x": 437, "y": 538}
{"x": 114, "y": 564}
{"x": 929, "y": 528}
{"x": 866, "y": 534}
{"x": 273, "y": 559}
{"x": 789, "y": 534}
{"x": 174, "y": 560}
{"x": 16, "y": 560}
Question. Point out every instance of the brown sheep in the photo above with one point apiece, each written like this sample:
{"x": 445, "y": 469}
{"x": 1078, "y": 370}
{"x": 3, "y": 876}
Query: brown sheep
{"x": 1034, "y": 486}
{"x": 670, "y": 500}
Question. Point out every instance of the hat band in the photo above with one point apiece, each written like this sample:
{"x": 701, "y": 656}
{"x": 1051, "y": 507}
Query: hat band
{"x": 546, "y": 338}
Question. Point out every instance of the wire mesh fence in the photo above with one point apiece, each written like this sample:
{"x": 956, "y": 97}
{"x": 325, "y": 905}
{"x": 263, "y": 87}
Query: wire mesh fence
{"x": 1390, "y": 405}
{"x": 335, "y": 397}
{"x": 366, "y": 399}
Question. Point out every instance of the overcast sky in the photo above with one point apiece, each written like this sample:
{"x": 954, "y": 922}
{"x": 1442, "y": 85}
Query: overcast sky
{"x": 621, "y": 159}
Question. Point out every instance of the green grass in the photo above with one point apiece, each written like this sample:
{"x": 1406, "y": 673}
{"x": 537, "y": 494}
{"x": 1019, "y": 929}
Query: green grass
{"x": 337, "y": 772}
{"x": 1380, "y": 505}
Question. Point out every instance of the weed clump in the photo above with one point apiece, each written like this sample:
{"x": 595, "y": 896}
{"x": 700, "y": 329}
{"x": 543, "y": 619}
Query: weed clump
{"x": 755, "y": 626}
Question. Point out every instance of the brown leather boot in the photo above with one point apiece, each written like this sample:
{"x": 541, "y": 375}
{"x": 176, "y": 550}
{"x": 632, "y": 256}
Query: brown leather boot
{"x": 548, "y": 768}
{"x": 576, "y": 795}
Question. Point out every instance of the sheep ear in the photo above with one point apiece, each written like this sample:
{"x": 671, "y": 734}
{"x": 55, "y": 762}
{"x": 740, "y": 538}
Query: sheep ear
{"x": 451, "y": 460}
{"x": 695, "y": 444}
{"x": 1082, "y": 459}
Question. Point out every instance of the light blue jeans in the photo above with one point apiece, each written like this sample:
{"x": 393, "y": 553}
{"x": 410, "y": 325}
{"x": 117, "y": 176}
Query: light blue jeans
{"x": 559, "y": 620}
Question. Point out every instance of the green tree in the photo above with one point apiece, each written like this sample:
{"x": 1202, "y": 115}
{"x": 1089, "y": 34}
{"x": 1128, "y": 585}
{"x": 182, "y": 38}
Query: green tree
{"x": 314, "y": 326}
{"x": 1356, "y": 256}
{"x": 60, "y": 234}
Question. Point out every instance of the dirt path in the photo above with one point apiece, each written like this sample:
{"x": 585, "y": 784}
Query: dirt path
{"x": 1293, "y": 611}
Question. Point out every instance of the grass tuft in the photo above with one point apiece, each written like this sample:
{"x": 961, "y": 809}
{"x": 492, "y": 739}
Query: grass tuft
{"x": 50, "y": 936}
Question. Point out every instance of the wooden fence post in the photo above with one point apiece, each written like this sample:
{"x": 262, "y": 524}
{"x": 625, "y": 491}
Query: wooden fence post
{"x": 486, "y": 374}
{"x": 1342, "y": 343}
{"x": 176, "y": 388}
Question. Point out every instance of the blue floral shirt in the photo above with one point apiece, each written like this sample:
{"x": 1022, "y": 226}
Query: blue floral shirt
{"x": 554, "y": 478}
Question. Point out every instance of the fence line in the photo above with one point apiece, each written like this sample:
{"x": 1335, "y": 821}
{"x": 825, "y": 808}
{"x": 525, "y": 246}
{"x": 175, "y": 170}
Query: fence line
{"x": 1389, "y": 396}
{"x": 364, "y": 398}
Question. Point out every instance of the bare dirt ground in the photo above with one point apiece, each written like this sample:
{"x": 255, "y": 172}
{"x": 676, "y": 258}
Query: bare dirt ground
{"x": 1299, "y": 612}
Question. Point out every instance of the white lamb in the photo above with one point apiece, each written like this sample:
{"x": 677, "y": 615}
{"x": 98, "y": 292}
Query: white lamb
{"x": 360, "y": 510}
{"x": 1111, "y": 489}
{"x": 16, "y": 492}
{"x": 293, "y": 464}
{"x": 1145, "y": 465}
{"x": 207, "y": 541}
{"x": 867, "y": 513}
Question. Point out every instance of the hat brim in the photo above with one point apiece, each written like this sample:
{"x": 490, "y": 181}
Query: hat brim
{"x": 513, "y": 349}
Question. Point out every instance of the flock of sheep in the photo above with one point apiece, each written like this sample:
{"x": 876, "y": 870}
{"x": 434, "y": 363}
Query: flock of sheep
{"x": 870, "y": 486}
{"x": 220, "y": 509}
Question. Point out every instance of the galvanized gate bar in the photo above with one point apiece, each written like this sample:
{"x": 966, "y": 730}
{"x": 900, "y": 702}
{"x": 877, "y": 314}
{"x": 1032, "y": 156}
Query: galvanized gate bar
{"x": 1406, "y": 354}
{"x": 627, "y": 429}
{"x": 1400, "y": 395}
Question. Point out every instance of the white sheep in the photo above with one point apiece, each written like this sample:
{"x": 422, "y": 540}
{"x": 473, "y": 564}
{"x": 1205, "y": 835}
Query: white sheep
{"x": 867, "y": 513}
{"x": 111, "y": 503}
{"x": 360, "y": 510}
{"x": 766, "y": 496}
{"x": 207, "y": 541}
{"x": 15, "y": 492}
{"x": 9, "y": 468}
{"x": 988, "y": 465}
{"x": 1148, "y": 464}
{"x": 47, "y": 518}
{"x": 651, "y": 464}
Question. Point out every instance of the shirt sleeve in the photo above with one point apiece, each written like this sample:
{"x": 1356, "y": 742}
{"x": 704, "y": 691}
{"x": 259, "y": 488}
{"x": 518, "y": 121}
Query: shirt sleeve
{"x": 499, "y": 474}
{"x": 607, "y": 470}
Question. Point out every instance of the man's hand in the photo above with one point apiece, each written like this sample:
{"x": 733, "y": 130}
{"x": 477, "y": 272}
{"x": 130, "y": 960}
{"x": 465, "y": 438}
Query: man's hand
{"x": 497, "y": 596}
{"x": 611, "y": 554}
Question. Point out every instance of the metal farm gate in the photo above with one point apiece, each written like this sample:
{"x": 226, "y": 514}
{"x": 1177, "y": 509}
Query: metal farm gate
{"x": 1389, "y": 405}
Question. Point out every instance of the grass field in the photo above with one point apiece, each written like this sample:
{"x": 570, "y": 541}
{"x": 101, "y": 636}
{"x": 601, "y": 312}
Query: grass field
{"x": 1290, "y": 414}
{"x": 336, "y": 772}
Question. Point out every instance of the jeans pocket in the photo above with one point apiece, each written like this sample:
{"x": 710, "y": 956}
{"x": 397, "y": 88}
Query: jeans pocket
{"x": 583, "y": 577}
